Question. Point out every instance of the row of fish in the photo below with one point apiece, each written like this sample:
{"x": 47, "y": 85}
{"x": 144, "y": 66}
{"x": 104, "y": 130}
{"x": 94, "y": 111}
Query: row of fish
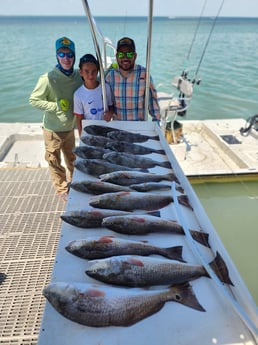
{"x": 122, "y": 263}
{"x": 128, "y": 223}
{"x": 126, "y": 265}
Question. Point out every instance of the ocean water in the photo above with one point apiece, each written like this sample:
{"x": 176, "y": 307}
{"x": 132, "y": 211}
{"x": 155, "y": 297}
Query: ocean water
{"x": 227, "y": 68}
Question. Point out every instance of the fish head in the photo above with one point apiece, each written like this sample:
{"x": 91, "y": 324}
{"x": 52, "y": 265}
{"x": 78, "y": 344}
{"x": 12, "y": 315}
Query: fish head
{"x": 73, "y": 246}
{"x": 60, "y": 295}
{"x": 112, "y": 221}
{"x": 103, "y": 269}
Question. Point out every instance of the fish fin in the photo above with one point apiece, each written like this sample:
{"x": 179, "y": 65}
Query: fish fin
{"x": 201, "y": 237}
{"x": 171, "y": 177}
{"x": 185, "y": 295}
{"x": 183, "y": 200}
{"x": 219, "y": 267}
{"x": 175, "y": 253}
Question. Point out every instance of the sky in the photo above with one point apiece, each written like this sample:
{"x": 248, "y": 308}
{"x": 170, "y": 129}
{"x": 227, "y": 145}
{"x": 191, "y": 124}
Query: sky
{"x": 234, "y": 8}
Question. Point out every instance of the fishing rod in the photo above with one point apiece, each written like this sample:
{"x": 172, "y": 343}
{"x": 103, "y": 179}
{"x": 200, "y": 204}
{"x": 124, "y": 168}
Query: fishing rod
{"x": 148, "y": 52}
{"x": 208, "y": 40}
{"x": 185, "y": 73}
{"x": 97, "y": 49}
{"x": 196, "y": 31}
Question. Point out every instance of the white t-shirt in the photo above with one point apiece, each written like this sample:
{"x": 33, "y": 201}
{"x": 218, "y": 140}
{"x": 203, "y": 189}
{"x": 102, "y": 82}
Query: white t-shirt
{"x": 89, "y": 104}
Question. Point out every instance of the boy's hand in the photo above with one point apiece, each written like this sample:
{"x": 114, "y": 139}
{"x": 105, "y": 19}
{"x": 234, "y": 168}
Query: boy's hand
{"x": 108, "y": 116}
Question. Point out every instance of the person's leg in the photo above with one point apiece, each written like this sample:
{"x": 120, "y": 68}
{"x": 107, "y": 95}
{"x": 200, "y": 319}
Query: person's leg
{"x": 53, "y": 145}
{"x": 68, "y": 144}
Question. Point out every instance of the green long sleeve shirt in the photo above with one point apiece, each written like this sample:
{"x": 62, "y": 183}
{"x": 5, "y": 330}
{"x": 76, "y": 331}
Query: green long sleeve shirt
{"x": 54, "y": 95}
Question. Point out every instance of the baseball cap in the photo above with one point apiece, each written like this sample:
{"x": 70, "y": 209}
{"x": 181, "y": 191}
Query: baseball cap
{"x": 88, "y": 58}
{"x": 65, "y": 42}
{"x": 126, "y": 42}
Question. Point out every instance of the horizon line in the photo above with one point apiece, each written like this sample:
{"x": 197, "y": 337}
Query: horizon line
{"x": 122, "y": 16}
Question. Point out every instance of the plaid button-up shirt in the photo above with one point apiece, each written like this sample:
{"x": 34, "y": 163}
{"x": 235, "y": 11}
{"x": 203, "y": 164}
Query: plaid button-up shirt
{"x": 129, "y": 95}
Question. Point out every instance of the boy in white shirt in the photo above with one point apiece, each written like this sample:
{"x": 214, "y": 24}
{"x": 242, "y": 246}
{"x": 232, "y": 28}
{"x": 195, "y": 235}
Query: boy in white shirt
{"x": 88, "y": 99}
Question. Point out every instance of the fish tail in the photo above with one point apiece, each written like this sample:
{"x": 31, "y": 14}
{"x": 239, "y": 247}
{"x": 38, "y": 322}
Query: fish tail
{"x": 155, "y": 137}
{"x": 219, "y": 267}
{"x": 154, "y": 213}
{"x": 185, "y": 295}
{"x": 174, "y": 253}
{"x": 160, "y": 151}
{"x": 183, "y": 200}
{"x": 201, "y": 237}
{"x": 165, "y": 164}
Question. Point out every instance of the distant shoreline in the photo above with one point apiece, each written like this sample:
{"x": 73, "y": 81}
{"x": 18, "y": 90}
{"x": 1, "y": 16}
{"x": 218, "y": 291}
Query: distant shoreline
{"x": 2, "y": 16}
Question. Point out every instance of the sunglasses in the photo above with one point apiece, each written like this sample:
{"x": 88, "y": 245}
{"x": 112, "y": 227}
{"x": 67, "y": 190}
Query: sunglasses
{"x": 129, "y": 55}
{"x": 62, "y": 55}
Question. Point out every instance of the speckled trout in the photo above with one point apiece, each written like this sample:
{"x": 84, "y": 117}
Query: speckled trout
{"x": 103, "y": 306}
{"x": 98, "y": 187}
{"x": 94, "y": 140}
{"x": 143, "y": 224}
{"x": 139, "y": 271}
{"x": 89, "y": 152}
{"x": 130, "y": 201}
{"x": 123, "y": 146}
{"x": 118, "y": 134}
{"x": 106, "y": 246}
{"x": 97, "y": 167}
{"x": 134, "y": 161}
{"x": 126, "y": 178}
{"x": 99, "y": 130}
{"x": 122, "y": 135}
{"x": 151, "y": 186}
{"x": 92, "y": 218}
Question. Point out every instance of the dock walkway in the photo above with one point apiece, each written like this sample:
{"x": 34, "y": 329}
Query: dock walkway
{"x": 29, "y": 235}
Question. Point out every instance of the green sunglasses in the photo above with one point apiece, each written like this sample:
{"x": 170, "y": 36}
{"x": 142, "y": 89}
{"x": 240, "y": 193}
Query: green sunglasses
{"x": 121, "y": 55}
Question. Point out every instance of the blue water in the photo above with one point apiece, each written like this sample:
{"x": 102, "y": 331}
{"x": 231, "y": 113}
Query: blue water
{"x": 228, "y": 89}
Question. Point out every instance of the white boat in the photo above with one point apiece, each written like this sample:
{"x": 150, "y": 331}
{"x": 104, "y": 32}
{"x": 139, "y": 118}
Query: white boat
{"x": 230, "y": 315}
{"x": 215, "y": 150}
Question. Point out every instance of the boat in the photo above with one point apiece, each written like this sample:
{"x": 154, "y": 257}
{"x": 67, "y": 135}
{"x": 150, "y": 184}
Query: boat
{"x": 230, "y": 315}
{"x": 219, "y": 150}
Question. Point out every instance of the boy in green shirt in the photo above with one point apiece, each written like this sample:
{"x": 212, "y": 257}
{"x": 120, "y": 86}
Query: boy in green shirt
{"x": 54, "y": 95}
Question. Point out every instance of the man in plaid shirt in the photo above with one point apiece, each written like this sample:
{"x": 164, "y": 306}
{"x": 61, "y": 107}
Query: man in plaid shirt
{"x": 128, "y": 83}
